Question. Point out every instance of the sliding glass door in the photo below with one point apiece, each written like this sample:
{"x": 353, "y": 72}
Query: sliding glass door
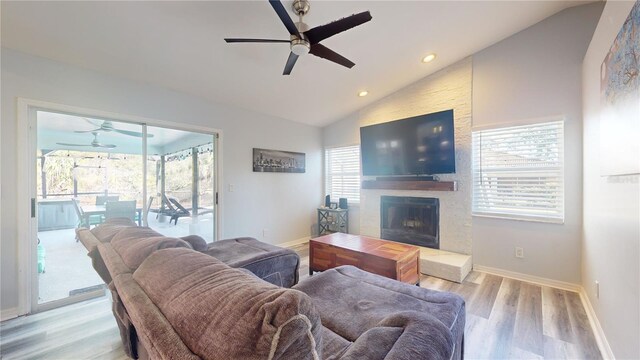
{"x": 182, "y": 182}
{"x": 82, "y": 165}
{"x": 85, "y": 168}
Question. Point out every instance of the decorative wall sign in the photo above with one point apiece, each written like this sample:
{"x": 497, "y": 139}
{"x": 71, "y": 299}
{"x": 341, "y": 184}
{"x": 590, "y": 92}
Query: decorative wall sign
{"x": 620, "y": 101}
{"x": 278, "y": 161}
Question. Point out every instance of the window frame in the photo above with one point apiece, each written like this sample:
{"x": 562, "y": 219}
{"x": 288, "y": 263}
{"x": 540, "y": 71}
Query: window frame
{"x": 528, "y": 217}
{"x": 327, "y": 176}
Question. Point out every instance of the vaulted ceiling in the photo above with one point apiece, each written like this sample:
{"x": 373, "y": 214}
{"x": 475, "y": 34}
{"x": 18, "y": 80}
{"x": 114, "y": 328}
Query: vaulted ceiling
{"x": 179, "y": 45}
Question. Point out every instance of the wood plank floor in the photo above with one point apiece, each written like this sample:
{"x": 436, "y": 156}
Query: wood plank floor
{"x": 506, "y": 319}
{"x": 85, "y": 330}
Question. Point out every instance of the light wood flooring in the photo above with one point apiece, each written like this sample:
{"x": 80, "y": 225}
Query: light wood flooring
{"x": 506, "y": 319}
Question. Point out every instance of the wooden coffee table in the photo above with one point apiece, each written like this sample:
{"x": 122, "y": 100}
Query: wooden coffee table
{"x": 387, "y": 258}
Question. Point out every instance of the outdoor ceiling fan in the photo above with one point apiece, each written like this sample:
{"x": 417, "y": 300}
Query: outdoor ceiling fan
{"x": 107, "y": 126}
{"x": 95, "y": 143}
{"x": 304, "y": 40}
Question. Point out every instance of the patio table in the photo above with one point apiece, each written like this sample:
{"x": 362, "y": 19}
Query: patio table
{"x": 89, "y": 210}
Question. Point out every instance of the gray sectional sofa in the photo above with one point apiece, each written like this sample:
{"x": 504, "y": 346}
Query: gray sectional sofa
{"x": 271, "y": 263}
{"x": 186, "y": 305}
{"x": 180, "y": 303}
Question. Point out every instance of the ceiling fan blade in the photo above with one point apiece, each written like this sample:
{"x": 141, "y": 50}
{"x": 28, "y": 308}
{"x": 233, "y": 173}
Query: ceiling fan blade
{"x": 131, "y": 133}
{"x": 106, "y": 146}
{"x": 67, "y": 144}
{"x": 284, "y": 17}
{"x": 322, "y": 32}
{"x": 88, "y": 131}
{"x": 233, "y": 40}
{"x": 290, "y": 62}
{"x": 92, "y": 122}
{"x": 326, "y": 53}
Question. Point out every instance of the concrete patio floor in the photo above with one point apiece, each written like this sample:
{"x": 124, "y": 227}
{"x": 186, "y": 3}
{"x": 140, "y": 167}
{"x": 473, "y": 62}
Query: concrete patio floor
{"x": 68, "y": 268}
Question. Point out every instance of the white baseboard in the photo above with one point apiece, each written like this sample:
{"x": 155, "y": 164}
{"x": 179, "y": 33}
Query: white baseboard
{"x": 598, "y": 332}
{"x": 295, "y": 242}
{"x": 7, "y": 314}
{"x": 529, "y": 278}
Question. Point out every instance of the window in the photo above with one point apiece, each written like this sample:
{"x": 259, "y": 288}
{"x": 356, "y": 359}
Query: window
{"x": 518, "y": 172}
{"x": 342, "y": 166}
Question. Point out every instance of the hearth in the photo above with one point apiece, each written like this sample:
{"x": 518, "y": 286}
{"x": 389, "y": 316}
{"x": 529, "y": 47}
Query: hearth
{"x": 410, "y": 220}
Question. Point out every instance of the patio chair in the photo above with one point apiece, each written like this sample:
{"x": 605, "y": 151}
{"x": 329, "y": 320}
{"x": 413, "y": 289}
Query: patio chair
{"x": 82, "y": 222}
{"x": 120, "y": 209}
{"x": 181, "y": 211}
{"x": 165, "y": 207}
{"x": 174, "y": 209}
{"x": 102, "y": 199}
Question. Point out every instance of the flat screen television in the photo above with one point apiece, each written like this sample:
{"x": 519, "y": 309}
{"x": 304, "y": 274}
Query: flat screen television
{"x": 419, "y": 145}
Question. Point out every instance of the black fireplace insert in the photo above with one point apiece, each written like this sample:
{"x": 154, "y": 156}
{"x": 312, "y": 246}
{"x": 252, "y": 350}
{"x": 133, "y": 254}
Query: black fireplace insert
{"x": 411, "y": 220}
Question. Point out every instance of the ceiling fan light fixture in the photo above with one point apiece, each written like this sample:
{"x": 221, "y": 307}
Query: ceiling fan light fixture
{"x": 429, "y": 58}
{"x": 300, "y": 47}
{"x": 307, "y": 41}
{"x": 301, "y": 7}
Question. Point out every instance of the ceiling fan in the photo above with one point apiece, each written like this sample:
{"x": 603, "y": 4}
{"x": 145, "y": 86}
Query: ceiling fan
{"x": 304, "y": 40}
{"x": 95, "y": 143}
{"x": 107, "y": 126}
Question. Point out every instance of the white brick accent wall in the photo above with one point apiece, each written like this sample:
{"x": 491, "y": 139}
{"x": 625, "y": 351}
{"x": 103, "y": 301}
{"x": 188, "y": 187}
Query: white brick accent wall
{"x": 447, "y": 89}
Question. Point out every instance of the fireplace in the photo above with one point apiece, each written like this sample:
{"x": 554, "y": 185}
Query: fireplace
{"x": 410, "y": 220}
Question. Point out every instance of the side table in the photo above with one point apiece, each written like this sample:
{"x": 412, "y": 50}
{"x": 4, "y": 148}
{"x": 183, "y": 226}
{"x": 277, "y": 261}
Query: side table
{"x": 332, "y": 220}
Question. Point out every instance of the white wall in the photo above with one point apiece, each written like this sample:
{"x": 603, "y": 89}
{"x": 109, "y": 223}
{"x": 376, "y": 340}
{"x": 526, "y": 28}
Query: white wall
{"x": 611, "y": 230}
{"x": 447, "y": 89}
{"x": 282, "y": 203}
{"x": 536, "y": 73}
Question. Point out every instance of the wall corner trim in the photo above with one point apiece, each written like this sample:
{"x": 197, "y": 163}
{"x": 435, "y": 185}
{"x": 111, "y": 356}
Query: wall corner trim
{"x": 598, "y": 332}
{"x": 8, "y": 314}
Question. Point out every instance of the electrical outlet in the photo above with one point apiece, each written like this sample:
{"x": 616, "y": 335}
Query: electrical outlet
{"x": 519, "y": 252}
{"x": 265, "y": 233}
{"x": 597, "y": 289}
{"x": 231, "y": 187}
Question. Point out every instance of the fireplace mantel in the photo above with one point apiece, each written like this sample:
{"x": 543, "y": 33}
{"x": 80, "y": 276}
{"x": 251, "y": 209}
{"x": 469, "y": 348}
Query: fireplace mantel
{"x": 410, "y": 185}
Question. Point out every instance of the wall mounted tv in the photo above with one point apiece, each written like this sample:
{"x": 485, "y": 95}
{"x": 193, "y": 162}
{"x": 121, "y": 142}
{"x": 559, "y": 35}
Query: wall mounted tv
{"x": 419, "y": 145}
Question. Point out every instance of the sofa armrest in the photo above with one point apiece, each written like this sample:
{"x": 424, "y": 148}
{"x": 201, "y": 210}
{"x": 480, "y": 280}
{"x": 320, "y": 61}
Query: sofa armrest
{"x": 112, "y": 260}
{"x": 90, "y": 242}
{"x": 86, "y": 237}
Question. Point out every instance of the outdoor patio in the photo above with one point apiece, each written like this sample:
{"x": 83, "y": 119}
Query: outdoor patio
{"x": 82, "y": 183}
{"x": 68, "y": 269}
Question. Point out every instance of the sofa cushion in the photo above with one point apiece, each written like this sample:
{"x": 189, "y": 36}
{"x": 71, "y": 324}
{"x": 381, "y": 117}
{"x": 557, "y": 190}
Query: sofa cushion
{"x": 381, "y": 303}
{"x": 196, "y": 242}
{"x": 133, "y": 251}
{"x": 134, "y": 233}
{"x": 224, "y": 313}
{"x": 273, "y": 264}
{"x": 151, "y": 327}
{"x": 405, "y": 335}
{"x": 333, "y": 345}
{"x": 107, "y": 230}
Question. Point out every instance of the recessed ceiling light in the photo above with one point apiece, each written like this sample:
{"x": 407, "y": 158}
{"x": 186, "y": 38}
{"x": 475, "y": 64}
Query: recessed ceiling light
{"x": 363, "y": 93}
{"x": 429, "y": 58}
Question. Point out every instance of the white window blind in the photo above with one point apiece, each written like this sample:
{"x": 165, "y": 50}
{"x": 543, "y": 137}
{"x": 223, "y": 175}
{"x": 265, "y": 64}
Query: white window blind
{"x": 518, "y": 172}
{"x": 342, "y": 166}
